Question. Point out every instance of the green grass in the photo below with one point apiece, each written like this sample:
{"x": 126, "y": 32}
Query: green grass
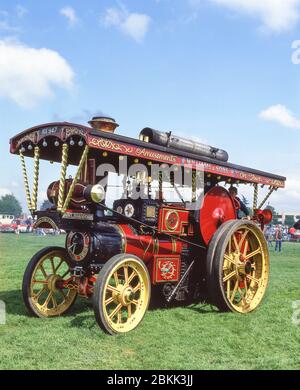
{"x": 194, "y": 337}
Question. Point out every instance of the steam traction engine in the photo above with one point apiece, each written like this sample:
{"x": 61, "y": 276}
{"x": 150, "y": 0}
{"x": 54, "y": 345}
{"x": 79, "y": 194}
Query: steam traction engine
{"x": 181, "y": 249}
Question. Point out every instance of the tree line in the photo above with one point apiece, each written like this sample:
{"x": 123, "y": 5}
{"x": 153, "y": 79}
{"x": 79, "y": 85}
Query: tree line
{"x": 9, "y": 204}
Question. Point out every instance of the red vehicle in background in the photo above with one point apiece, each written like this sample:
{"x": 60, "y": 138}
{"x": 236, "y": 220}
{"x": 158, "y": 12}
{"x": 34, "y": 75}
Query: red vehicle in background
{"x": 9, "y": 224}
{"x": 24, "y": 226}
{"x": 5, "y": 222}
{"x": 295, "y": 232}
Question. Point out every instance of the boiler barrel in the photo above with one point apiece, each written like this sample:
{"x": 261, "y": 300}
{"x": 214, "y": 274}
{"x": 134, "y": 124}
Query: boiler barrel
{"x": 185, "y": 145}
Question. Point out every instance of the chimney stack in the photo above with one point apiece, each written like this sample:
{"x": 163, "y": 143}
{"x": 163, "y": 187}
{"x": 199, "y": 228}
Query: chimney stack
{"x": 103, "y": 123}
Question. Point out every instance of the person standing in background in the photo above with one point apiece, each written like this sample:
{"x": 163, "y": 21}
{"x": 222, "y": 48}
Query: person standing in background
{"x": 269, "y": 237}
{"x": 278, "y": 238}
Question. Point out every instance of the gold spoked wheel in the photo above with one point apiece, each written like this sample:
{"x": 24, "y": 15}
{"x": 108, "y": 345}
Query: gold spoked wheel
{"x": 241, "y": 268}
{"x": 122, "y": 294}
{"x": 43, "y": 290}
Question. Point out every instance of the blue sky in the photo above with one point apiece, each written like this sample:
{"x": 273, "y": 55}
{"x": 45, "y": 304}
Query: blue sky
{"x": 218, "y": 70}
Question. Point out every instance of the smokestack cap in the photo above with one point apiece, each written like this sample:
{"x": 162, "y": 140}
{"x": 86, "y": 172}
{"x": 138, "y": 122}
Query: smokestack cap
{"x": 103, "y": 123}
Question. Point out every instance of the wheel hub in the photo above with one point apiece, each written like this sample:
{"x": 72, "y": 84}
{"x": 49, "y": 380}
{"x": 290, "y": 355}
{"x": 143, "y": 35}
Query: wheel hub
{"x": 53, "y": 282}
{"x": 125, "y": 295}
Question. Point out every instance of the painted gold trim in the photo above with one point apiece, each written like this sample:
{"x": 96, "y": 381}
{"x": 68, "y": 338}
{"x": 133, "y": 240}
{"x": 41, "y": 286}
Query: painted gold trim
{"x": 169, "y": 227}
{"x": 123, "y": 239}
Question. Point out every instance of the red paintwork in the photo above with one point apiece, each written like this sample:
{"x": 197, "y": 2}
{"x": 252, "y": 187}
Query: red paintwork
{"x": 263, "y": 216}
{"x": 173, "y": 220}
{"x": 84, "y": 285}
{"x": 217, "y": 208}
{"x": 148, "y": 248}
{"x": 165, "y": 268}
{"x": 145, "y": 246}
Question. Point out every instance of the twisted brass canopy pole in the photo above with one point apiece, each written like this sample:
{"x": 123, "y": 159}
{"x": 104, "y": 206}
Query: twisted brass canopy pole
{"x": 25, "y": 179}
{"x": 272, "y": 189}
{"x": 255, "y": 196}
{"x": 75, "y": 179}
{"x": 63, "y": 171}
{"x": 36, "y": 168}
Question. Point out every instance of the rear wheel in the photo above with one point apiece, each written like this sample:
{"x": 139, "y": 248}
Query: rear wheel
{"x": 43, "y": 291}
{"x": 122, "y": 294}
{"x": 212, "y": 247}
{"x": 240, "y": 270}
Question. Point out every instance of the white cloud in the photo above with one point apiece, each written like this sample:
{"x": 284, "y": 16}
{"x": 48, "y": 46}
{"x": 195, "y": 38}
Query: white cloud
{"x": 70, "y": 14}
{"x": 133, "y": 24}
{"x": 275, "y": 15}
{"x": 288, "y": 199}
{"x": 28, "y": 75}
{"x": 4, "y": 191}
{"x": 281, "y": 115}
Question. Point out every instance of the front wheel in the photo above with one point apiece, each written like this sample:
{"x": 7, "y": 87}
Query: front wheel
{"x": 121, "y": 294}
{"x": 43, "y": 290}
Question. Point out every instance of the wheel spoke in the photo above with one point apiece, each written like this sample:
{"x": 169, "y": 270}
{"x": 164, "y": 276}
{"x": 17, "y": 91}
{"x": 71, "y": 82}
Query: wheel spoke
{"x": 62, "y": 293}
{"x": 59, "y": 264}
{"x": 230, "y": 246}
{"x": 246, "y": 287}
{"x": 253, "y": 279}
{"x": 37, "y": 295}
{"x": 246, "y": 247}
{"x": 126, "y": 273}
{"x": 252, "y": 254}
{"x": 137, "y": 287}
{"x": 234, "y": 290}
{"x": 66, "y": 273}
{"x": 39, "y": 281}
{"x": 116, "y": 278}
{"x": 114, "y": 312}
{"x": 112, "y": 289}
{"x": 119, "y": 317}
{"x": 236, "y": 244}
{"x": 132, "y": 275}
{"x": 54, "y": 301}
{"x": 43, "y": 271}
{"x": 45, "y": 304}
{"x": 52, "y": 264}
{"x": 109, "y": 300}
{"x": 231, "y": 260}
{"x": 229, "y": 276}
{"x": 242, "y": 294}
{"x": 135, "y": 302}
{"x": 129, "y": 311}
{"x": 228, "y": 288}
{"x": 243, "y": 239}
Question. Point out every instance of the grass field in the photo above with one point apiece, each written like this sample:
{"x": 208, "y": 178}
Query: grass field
{"x": 194, "y": 337}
